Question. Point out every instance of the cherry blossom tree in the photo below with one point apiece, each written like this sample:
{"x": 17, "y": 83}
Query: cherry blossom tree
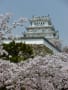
{"x": 5, "y": 27}
{"x": 39, "y": 73}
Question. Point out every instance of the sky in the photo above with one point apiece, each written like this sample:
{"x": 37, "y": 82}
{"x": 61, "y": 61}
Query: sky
{"x": 57, "y": 9}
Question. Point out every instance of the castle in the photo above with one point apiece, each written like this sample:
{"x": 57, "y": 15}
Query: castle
{"x": 41, "y": 31}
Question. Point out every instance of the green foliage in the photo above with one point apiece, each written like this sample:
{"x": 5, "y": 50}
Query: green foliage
{"x": 18, "y": 51}
{"x": 23, "y": 88}
{"x": 22, "y": 51}
{"x": 41, "y": 50}
{"x": 11, "y": 48}
{"x": 14, "y": 59}
{"x": 27, "y": 51}
{"x": 48, "y": 50}
{"x": 3, "y": 88}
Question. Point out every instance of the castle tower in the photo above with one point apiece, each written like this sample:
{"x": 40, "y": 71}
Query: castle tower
{"x": 43, "y": 27}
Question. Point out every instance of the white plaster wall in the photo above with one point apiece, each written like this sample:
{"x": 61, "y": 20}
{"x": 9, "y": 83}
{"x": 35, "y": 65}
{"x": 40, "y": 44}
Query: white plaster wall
{"x": 27, "y": 41}
{"x": 32, "y": 41}
{"x": 6, "y": 41}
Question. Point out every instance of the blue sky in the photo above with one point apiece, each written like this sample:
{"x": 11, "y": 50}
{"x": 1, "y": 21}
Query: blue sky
{"x": 57, "y": 9}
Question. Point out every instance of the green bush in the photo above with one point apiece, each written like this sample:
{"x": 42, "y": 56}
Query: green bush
{"x": 22, "y": 51}
{"x": 3, "y": 88}
{"x": 14, "y": 49}
{"x": 11, "y": 48}
{"x": 23, "y": 88}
